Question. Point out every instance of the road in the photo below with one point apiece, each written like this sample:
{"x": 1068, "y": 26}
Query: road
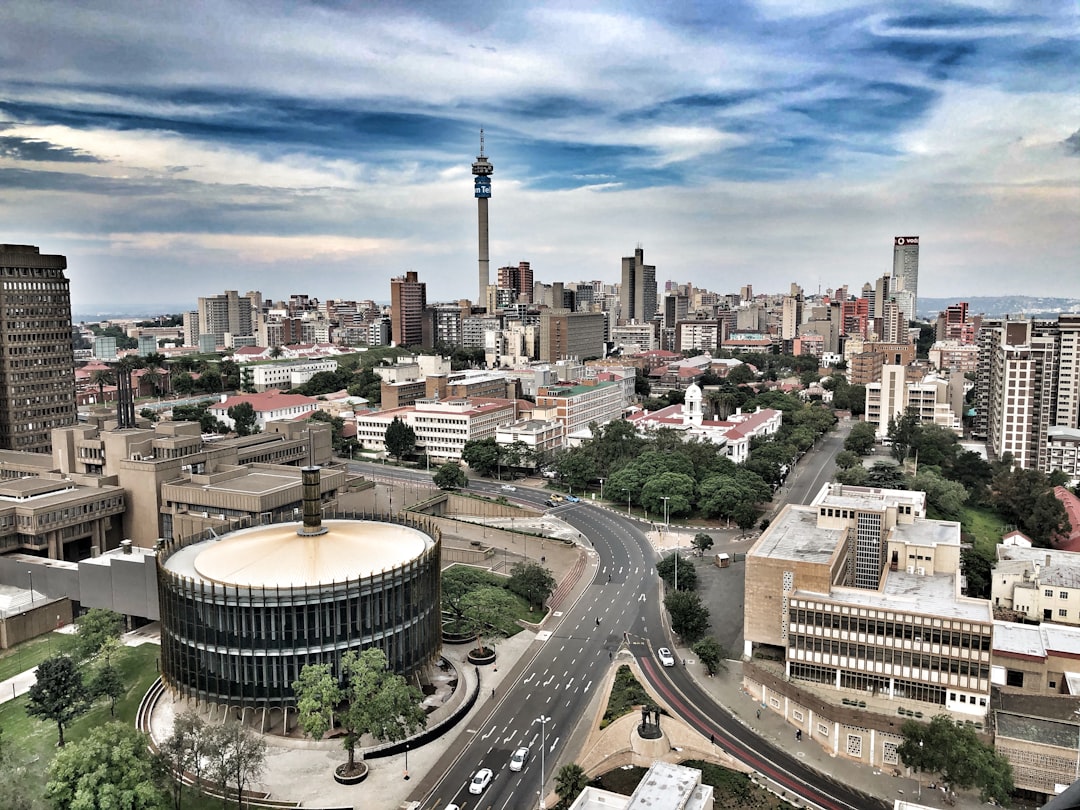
{"x": 559, "y": 680}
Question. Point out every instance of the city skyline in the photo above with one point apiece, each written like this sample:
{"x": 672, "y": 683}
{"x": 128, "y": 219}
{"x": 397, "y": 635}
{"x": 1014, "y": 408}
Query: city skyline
{"x": 330, "y": 147}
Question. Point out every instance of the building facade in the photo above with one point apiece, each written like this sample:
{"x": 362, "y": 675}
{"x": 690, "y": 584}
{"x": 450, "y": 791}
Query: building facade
{"x": 37, "y": 361}
{"x": 408, "y": 300}
{"x": 905, "y": 273}
{"x": 637, "y": 291}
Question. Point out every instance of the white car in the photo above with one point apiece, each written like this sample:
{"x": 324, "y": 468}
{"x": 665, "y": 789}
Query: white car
{"x": 480, "y": 781}
{"x": 665, "y": 656}
{"x": 509, "y": 488}
{"x": 518, "y": 760}
{"x": 453, "y": 807}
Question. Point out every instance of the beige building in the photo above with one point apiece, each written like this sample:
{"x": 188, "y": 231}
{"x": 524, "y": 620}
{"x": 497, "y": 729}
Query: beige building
{"x": 1037, "y": 584}
{"x": 855, "y": 617}
{"x": 565, "y": 334}
{"x": 934, "y": 399}
{"x": 576, "y": 406}
{"x": 442, "y": 427}
{"x": 141, "y": 460}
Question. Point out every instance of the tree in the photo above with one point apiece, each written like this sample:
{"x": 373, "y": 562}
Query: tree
{"x": 678, "y": 488}
{"x": 241, "y": 755}
{"x": 687, "y": 572}
{"x": 740, "y": 375}
{"x": 450, "y": 476}
{"x": 317, "y": 693}
{"x": 532, "y": 582}
{"x": 378, "y": 702}
{"x": 111, "y": 768}
{"x": 276, "y": 352}
{"x": 702, "y": 542}
{"x": 459, "y": 581}
{"x": 488, "y": 611}
{"x": 902, "y": 433}
{"x": 94, "y": 629}
{"x": 689, "y": 616}
{"x": 861, "y": 438}
{"x": 846, "y": 459}
{"x": 569, "y": 782}
{"x": 710, "y": 653}
{"x": 576, "y": 469}
{"x": 244, "y": 419}
{"x": 102, "y": 377}
{"x": 400, "y": 439}
{"x": 106, "y": 680}
{"x": 185, "y": 750}
{"x": 58, "y": 694}
{"x": 482, "y": 456}
{"x": 954, "y": 751}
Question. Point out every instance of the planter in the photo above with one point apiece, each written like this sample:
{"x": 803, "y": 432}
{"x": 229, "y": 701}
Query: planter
{"x": 481, "y": 657}
{"x": 450, "y": 637}
{"x": 355, "y": 778}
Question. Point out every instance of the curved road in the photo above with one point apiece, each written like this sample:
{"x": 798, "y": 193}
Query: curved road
{"x": 568, "y": 662}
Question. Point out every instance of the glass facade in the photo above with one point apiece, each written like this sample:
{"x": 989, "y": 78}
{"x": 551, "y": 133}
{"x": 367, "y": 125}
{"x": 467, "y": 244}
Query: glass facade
{"x": 246, "y": 645}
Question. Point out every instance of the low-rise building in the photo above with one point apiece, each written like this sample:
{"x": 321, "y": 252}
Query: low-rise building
{"x": 270, "y": 406}
{"x": 577, "y": 406}
{"x": 441, "y": 426}
{"x": 284, "y": 376}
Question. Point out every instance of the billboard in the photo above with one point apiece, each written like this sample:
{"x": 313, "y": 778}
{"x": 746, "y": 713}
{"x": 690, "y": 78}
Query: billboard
{"x": 900, "y": 241}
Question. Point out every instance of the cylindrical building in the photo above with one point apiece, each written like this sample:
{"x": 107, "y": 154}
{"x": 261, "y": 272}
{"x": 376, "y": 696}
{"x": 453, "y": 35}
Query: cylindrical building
{"x": 242, "y": 614}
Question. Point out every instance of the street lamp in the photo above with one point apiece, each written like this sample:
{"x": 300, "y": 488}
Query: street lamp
{"x": 31, "y": 575}
{"x": 601, "y": 489}
{"x": 406, "y": 762}
{"x": 543, "y": 721}
{"x": 628, "y": 501}
{"x": 664, "y": 498}
{"x": 920, "y": 770}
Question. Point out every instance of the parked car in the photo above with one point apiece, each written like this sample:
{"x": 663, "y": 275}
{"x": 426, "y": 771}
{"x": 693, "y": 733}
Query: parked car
{"x": 509, "y": 488}
{"x": 518, "y": 760}
{"x": 665, "y": 656}
{"x": 480, "y": 781}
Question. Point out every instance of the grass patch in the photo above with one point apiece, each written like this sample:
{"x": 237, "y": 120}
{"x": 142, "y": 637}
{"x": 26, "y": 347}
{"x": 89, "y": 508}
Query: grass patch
{"x": 36, "y": 739}
{"x": 731, "y": 789}
{"x": 31, "y": 653}
{"x": 626, "y": 695}
{"x": 983, "y": 527}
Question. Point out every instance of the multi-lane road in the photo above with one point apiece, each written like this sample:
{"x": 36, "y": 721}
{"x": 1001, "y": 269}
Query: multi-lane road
{"x": 621, "y": 605}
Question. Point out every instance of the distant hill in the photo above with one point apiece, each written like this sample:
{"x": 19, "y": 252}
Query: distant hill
{"x": 998, "y": 306}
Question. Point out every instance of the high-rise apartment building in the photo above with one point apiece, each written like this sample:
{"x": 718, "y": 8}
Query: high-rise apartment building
{"x": 408, "y": 300}
{"x": 905, "y": 271}
{"x": 1026, "y": 384}
{"x": 227, "y": 314}
{"x": 37, "y": 360}
{"x": 637, "y": 293}
{"x": 519, "y": 279}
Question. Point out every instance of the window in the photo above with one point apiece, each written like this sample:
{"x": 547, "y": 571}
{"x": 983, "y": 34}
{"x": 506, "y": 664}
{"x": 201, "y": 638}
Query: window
{"x": 1062, "y": 612}
{"x": 1048, "y": 592}
{"x": 1063, "y": 594}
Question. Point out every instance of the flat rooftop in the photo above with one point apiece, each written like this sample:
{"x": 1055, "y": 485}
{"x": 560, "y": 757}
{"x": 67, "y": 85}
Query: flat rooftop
{"x": 932, "y": 594}
{"x": 277, "y": 556}
{"x": 794, "y": 535}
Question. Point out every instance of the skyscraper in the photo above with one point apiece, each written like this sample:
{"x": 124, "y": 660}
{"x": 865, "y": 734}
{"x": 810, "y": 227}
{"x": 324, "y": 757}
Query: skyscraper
{"x": 519, "y": 279}
{"x": 408, "y": 300}
{"x": 905, "y": 272}
{"x": 482, "y": 170}
{"x": 637, "y": 293}
{"x": 37, "y": 360}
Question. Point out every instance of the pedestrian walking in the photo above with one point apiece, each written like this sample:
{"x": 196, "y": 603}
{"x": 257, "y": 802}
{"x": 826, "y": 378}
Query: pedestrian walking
{"x": 759, "y": 714}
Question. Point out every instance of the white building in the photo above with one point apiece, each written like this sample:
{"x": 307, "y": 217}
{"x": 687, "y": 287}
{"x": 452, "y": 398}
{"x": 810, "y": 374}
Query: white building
{"x": 936, "y": 400}
{"x": 288, "y": 375}
{"x": 270, "y": 406}
{"x": 441, "y": 426}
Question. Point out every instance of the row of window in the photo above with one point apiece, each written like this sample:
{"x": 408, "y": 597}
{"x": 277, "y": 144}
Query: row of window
{"x": 858, "y": 654}
{"x": 885, "y": 628}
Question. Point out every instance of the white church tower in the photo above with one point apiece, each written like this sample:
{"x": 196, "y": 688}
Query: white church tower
{"x": 692, "y": 406}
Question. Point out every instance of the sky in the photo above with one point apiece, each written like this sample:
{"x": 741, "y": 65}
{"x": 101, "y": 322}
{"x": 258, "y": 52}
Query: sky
{"x": 172, "y": 150}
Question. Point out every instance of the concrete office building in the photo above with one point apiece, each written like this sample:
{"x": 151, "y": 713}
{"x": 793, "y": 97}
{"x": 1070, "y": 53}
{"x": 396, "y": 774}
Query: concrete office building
{"x": 637, "y": 291}
{"x": 855, "y": 601}
{"x": 37, "y": 361}
{"x": 565, "y": 334}
{"x": 242, "y": 614}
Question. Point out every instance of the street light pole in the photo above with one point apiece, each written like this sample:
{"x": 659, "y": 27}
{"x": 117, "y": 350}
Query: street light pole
{"x": 601, "y": 489}
{"x": 543, "y": 721}
{"x": 406, "y": 762}
{"x": 664, "y": 498}
{"x": 31, "y": 575}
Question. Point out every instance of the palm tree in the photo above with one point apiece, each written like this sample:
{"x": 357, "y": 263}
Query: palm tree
{"x": 102, "y": 377}
{"x": 156, "y": 364}
{"x": 276, "y": 352}
{"x": 569, "y": 782}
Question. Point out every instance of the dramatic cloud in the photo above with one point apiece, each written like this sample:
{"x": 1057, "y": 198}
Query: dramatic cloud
{"x": 325, "y": 147}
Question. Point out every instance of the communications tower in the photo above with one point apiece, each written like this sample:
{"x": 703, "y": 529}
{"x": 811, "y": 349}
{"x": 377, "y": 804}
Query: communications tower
{"x": 482, "y": 170}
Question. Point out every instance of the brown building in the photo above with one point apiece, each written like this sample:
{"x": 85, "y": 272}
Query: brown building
{"x": 37, "y": 361}
{"x": 408, "y": 300}
{"x": 565, "y": 334}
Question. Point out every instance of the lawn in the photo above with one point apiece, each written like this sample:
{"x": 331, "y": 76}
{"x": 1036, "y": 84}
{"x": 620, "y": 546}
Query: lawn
{"x": 138, "y": 667}
{"x": 626, "y": 695}
{"x": 984, "y": 527}
{"x": 31, "y": 653}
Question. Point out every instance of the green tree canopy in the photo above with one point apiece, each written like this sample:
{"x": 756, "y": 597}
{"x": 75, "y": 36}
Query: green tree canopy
{"x": 482, "y": 456}
{"x": 488, "y": 612}
{"x": 400, "y": 438}
{"x": 955, "y": 751}
{"x": 689, "y": 616}
{"x": 702, "y": 542}
{"x": 711, "y": 653}
{"x": 111, "y": 768}
{"x": 861, "y": 438}
{"x": 458, "y": 581}
{"x": 532, "y": 582}
{"x": 450, "y": 476}
{"x": 687, "y": 572}
{"x": 569, "y": 782}
{"x": 58, "y": 694}
{"x": 678, "y": 488}
{"x": 94, "y": 629}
